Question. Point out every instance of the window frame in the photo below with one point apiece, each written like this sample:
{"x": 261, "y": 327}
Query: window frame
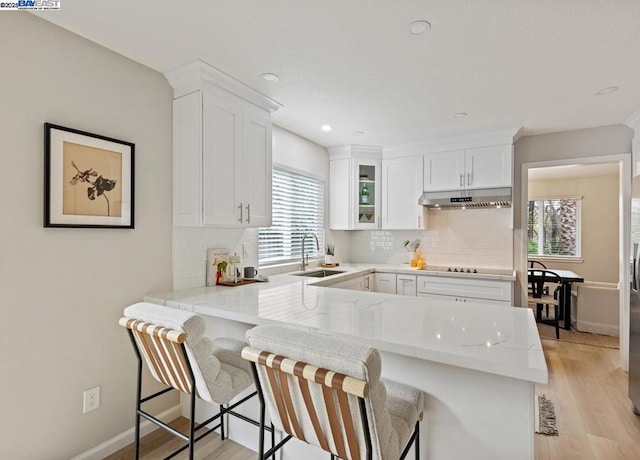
{"x": 558, "y": 257}
{"x": 266, "y": 263}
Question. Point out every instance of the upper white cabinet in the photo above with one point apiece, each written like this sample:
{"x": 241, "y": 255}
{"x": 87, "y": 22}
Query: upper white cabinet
{"x": 443, "y": 170}
{"x": 354, "y": 187}
{"x": 222, "y": 150}
{"x": 482, "y": 167}
{"x": 401, "y": 187}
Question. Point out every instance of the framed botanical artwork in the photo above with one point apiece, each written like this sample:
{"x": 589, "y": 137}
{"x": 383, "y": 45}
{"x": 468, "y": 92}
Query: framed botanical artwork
{"x": 88, "y": 179}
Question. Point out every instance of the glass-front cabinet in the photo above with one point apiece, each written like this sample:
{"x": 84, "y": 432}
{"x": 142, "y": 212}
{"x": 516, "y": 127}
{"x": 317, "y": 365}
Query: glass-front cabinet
{"x": 367, "y": 194}
{"x": 355, "y": 175}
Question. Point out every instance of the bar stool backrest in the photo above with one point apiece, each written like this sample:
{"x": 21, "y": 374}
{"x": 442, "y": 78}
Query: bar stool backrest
{"x": 173, "y": 345}
{"x": 319, "y": 389}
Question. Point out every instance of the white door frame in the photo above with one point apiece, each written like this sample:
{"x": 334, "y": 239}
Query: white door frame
{"x": 624, "y": 161}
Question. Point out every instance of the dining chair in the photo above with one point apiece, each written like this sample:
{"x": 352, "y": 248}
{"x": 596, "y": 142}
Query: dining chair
{"x": 328, "y": 393}
{"x": 535, "y": 263}
{"x": 179, "y": 355}
{"x": 539, "y": 295}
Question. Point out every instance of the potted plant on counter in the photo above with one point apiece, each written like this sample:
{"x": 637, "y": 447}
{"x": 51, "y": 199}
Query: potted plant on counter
{"x": 329, "y": 258}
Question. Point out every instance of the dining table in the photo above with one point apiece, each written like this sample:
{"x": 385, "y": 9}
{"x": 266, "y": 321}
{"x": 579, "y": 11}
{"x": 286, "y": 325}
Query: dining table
{"x": 568, "y": 278}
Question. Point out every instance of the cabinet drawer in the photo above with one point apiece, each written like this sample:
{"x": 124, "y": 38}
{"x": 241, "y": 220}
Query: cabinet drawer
{"x": 465, "y": 287}
{"x": 448, "y": 298}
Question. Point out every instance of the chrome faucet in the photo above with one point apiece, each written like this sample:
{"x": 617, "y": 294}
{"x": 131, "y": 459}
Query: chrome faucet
{"x": 304, "y": 263}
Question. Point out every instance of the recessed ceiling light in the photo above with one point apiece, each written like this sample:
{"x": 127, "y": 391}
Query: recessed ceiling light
{"x": 326, "y": 128}
{"x": 358, "y": 133}
{"x": 419, "y": 27}
{"x": 607, "y": 90}
{"x": 271, "y": 77}
{"x": 461, "y": 115}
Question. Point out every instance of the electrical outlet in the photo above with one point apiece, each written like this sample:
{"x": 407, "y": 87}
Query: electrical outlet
{"x": 91, "y": 399}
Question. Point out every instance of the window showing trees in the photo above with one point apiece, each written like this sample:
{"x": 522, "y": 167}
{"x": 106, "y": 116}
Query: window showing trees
{"x": 554, "y": 227}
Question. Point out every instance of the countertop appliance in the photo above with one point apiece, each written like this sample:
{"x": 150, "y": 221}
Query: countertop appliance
{"x": 634, "y": 300}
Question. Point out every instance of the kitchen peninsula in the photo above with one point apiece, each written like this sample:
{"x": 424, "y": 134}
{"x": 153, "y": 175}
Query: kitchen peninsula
{"x": 477, "y": 362}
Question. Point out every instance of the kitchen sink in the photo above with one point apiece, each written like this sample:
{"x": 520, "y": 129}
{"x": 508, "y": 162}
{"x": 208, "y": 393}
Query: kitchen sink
{"x": 319, "y": 273}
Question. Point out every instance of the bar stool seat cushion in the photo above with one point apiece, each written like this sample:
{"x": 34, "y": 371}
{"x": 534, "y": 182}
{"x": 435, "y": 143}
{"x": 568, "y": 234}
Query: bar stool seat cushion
{"x": 221, "y": 374}
{"x": 405, "y": 404}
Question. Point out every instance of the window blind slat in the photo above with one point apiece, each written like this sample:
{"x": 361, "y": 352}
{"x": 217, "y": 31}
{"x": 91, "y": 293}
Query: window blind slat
{"x": 297, "y": 209}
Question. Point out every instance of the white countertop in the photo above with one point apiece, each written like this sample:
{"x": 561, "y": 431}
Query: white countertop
{"x": 432, "y": 270}
{"x": 489, "y": 338}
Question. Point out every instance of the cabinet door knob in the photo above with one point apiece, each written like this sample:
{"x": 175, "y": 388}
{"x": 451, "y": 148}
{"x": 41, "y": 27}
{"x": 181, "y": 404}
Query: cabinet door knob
{"x": 469, "y": 179}
{"x": 249, "y": 213}
{"x": 461, "y": 180}
{"x": 240, "y": 207}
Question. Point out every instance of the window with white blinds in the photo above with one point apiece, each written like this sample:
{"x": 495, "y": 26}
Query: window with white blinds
{"x": 554, "y": 227}
{"x": 297, "y": 210}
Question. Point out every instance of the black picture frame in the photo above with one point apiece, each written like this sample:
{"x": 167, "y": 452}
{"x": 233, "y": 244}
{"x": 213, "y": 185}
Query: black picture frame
{"x": 88, "y": 179}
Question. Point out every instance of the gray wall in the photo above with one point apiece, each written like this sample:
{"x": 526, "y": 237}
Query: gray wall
{"x": 62, "y": 291}
{"x": 582, "y": 143}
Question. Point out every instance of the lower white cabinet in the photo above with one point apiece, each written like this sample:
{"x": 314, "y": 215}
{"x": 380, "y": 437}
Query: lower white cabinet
{"x": 452, "y": 289}
{"x": 466, "y": 290}
{"x": 384, "y": 282}
{"x": 406, "y": 285}
{"x": 368, "y": 282}
{"x": 355, "y": 284}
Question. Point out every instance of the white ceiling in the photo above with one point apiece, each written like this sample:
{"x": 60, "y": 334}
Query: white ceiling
{"x": 354, "y": 65}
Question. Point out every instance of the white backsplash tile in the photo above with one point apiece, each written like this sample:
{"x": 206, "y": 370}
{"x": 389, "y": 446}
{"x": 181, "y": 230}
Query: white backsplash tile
{"x": 476, "y": 238}
{"x": 466, "y": 238}
{"x": 190, "y": 251}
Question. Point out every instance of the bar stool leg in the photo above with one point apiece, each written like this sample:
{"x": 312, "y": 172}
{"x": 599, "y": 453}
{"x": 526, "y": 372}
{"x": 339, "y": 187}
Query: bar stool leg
{"x": 222, "y": 434}
{"x": 273, "y": 441}
{"x": 192, "y": 425}
{"x": 417, "y": 446}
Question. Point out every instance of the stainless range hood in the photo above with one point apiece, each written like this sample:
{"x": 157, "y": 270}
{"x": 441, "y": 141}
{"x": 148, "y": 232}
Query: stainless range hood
{"x": 481, "y": 198}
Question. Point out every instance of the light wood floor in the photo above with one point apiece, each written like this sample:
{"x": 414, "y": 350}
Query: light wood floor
{"x": 588, "y": 389}
{"x": 594, "y": 415}
{"x": 159, "y": 444}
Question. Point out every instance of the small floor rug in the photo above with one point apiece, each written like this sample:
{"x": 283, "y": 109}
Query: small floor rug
{"x": 548, "y": 332}
{"x": 545, "y": 417}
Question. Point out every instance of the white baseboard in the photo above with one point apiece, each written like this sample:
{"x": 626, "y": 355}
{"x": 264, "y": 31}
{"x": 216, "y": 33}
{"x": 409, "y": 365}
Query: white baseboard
{"x": 598, "y": 328}
{"x": 124, "y": 439}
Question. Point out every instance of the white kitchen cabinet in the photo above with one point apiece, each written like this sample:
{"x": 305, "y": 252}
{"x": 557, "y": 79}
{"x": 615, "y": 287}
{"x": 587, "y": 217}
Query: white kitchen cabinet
{"x": 488, "y": 167}
{"x": 221, "y": 151}
{"x": 465, "y": 289}
{"x": 448, "y": 298}
{"x": 354, "y": 284}
{"x": 385, "y": 282}
{"x": 355, "y": 187}
{"x": 483, "y": 167}
{"x": 402, "y": 185}
{"x": 257, "y": 168}
{"x": 368, "y": 283}
{"x": 443, "y": 171}
{"x": 406, "y": 285}
{"x": 339, "y": 191}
